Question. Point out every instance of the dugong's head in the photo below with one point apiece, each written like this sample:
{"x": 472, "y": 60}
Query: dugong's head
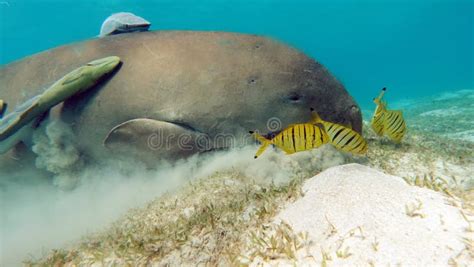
{"x": 261, "y": 84}
{"x": 300, "y": 84}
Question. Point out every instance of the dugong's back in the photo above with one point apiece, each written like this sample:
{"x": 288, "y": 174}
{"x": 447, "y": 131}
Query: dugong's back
{"x": 211, "y": 82}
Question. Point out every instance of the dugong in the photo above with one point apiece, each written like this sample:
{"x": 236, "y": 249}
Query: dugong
{"x": 175, "y": 87}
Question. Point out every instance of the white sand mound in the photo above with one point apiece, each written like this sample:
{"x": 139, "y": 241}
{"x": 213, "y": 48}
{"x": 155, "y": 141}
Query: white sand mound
{"x": 358, "y": 216}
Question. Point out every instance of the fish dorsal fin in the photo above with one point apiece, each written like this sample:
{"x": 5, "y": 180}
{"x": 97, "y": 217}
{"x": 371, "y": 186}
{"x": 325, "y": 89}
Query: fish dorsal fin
{"x": 382, "y": 93}
{"x": 378, "y": 99}
{"x": 315, "y": 118}
{"x": 381, "y": 105}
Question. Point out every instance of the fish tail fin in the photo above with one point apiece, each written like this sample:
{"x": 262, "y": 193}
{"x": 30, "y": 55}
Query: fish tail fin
{"x": 261, "y": 149}
{"x": 315, "y": 117}
{"x": 265, "y": 143}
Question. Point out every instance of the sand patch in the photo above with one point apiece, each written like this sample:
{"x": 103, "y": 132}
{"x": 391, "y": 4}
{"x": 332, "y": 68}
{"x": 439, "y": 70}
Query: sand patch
{"x": 356, "y": 216}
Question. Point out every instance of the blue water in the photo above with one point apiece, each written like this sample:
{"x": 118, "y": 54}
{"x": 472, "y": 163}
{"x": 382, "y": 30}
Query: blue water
{"x": 415, "y": 48}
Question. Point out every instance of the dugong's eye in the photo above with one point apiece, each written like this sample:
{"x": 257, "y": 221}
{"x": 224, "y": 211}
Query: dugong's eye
{"x": 252, "y": 80}
{"x": 294, "y": 98}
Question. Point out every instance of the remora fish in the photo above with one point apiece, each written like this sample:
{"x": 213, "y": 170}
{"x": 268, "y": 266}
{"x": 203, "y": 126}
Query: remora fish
{"x": 14, "y": 124}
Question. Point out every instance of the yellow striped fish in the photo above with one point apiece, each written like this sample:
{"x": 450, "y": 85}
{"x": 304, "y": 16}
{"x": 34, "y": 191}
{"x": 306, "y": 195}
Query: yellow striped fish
{"x": 341, "y": 137}
{"x": 295, "y": 138}
{"x": 389, "y": 122}
{"x": 378, "y": 118}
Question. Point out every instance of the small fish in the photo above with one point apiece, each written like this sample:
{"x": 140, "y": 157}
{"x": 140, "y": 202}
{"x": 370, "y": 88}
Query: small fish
{"x": 3, "y": 108}
{"x": 295, "y": 138}
{"x": 306, "y": 136}
{"x": 341, "y": 137}
{"x": 389, "y": 122}
{"x": 378, "y": 118}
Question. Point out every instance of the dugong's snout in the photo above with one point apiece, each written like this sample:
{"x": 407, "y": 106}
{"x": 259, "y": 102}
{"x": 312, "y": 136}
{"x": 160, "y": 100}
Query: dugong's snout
{"x": 312, "y": 86}
{"x": 354, "y": 116}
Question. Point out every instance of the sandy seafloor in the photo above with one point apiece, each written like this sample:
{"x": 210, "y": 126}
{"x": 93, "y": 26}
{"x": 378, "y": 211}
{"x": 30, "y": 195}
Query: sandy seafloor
{"x": 218, "y": 217}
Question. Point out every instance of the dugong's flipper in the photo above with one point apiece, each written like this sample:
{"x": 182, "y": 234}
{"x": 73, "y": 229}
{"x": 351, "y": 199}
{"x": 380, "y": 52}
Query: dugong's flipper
{"x": 142, "y": 137}
{"x": 72, "y": 83}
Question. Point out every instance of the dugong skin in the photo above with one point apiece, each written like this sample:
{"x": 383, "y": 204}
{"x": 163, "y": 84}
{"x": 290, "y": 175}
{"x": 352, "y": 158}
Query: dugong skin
{"x": 210, "y": 82}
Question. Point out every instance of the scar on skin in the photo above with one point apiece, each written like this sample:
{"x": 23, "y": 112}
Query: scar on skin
{"x": 149, "y": 50}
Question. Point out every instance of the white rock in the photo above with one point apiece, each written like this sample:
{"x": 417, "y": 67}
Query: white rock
{"x": 368, "y": 211}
